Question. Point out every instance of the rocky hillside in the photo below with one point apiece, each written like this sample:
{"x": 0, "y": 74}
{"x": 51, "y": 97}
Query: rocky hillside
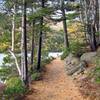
{"x": 85, "y": 71}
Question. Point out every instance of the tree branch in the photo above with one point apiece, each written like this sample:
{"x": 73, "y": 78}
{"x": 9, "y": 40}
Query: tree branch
{"x": 16, "y": 62}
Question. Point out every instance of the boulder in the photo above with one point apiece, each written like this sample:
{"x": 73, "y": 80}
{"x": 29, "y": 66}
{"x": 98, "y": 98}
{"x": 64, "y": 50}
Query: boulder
{"x": 88, "y": 57}
{"x": 73, "y": 65}
{"x": 71, "y": 59}
{"x": 80, "y": 68}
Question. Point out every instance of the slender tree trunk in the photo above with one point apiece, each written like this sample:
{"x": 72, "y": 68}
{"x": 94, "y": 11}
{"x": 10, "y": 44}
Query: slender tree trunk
{"x": 13, "y": 28}
{"x": 90, "y": 14}
{"x": 97, "y": 15}
{"x": 99, "y": 20}
{"x": 22, "y": 49}
{"x": 66, "y": 42}
{"x": 93, "y": 39}
{"x": 40, "y": 40}
{"x": 24, "y": 46}
{"x": 83, "y": 14}
{"x": 32, "y": 51}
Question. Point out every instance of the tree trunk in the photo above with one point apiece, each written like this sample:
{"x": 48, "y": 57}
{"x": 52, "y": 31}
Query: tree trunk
{"x": 24, "y": 63}
{"x": 97, "y": 15}
{"x": 40, "y": 40}
{"x": 32, "y": 51}
{"x": 93, "y": 39}
{"x": 13, "y": 28}
{"x": 66, "y": 42}
{"x": 99, "y": 20}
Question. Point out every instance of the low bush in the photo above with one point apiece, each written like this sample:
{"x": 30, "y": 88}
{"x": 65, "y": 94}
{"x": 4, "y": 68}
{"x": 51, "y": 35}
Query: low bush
{"x": 5, "y": 41}
{"x": 75, "y": 48}
{"x": 65, "y": 53}
{"x": 14, "y": 86}
{"x": 4, "y": 73}
{"x": 95, "y": 72}
{"x": 47, "y": 61}
{"x": 35, "y": 76}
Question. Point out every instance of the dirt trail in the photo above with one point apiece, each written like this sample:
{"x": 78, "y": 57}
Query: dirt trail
{"x": 56, "y": 85}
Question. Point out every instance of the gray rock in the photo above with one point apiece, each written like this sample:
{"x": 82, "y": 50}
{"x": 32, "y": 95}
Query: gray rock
{"x": 88, "y": 57}
{"x": 71, "y": 60}
{"x": 73, "y": 65}
{"x": 80, "y": 68}
{"x": 72, "y": 70}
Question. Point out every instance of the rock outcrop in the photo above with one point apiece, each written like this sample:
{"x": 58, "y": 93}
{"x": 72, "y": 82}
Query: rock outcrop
{"x": 73, "y": 65}
{"x": 88, "y": 57}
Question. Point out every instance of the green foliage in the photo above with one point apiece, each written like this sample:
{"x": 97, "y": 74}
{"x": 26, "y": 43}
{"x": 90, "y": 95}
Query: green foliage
{"x": 8, "y": 68}
{"x": 98, "y": 80}
{"x": 4, "y": 73}
{"x": 46, "y": 61}
{"x": 97, "y": 33}
{"x": 75, "y": 48}
{"x": 5, "y": 37}
{"x": 72, "y": 16}
{"x": 4, "y": 41}
{"x": 35, "y": 76}
{"x": 72, "y": 6}
{"x": 65, "y": 53}
{"x": 4, "y": 19}
{"x": 14, "y": 86}
{"x": 95, "y": 72}
{"x": 7, "y": 59}
{"x": 40, "y": 13}
{"x": 55, "y": 42}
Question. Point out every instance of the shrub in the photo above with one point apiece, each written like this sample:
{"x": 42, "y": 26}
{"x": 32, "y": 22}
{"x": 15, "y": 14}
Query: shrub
{"x": 95, "y": 72}
{"x": 35, "y": 76}
{"x": 4, "y": 41}
{"x": 75, "y": 48}
{"x": 47, "y": 61}
{"x": 65, "y": 53}
{"x": 72, "y": 16}
{"x": 14, "y": 86}
{"x": 4, "y": 73}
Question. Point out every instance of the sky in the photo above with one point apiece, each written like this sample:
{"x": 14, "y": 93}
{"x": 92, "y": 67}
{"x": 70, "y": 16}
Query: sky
{"x": 1, "y": 5}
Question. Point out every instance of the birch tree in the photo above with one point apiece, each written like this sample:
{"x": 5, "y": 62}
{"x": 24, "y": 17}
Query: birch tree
{"x": 13, "y": 26}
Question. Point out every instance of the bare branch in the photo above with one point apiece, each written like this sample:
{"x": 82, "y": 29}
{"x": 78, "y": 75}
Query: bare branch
{"x": 16, "y": 62}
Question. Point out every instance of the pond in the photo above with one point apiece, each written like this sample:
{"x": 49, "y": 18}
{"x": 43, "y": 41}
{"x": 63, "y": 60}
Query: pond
{"x": 55, "y": 54}
{"x": 1, "y": 58}
{"x": 50, "y": 54}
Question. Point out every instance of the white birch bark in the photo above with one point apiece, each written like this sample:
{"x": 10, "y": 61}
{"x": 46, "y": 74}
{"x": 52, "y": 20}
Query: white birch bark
{"x": 22, "y": 48}
{"x": 13, "y": 27}
{"x": 16, "y": 62}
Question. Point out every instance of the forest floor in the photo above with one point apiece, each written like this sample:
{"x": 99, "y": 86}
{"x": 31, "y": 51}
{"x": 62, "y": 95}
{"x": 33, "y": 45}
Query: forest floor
{"x": 55, "y": 85}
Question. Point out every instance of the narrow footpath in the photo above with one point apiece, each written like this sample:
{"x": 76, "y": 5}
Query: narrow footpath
{"x": 55, "y": 85}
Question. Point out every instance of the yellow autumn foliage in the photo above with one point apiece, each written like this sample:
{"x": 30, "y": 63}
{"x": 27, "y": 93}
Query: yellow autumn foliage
{"x": 4, "y": 46}
{"x": 75, "y": 31}
{"x": 74, "y": 27}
